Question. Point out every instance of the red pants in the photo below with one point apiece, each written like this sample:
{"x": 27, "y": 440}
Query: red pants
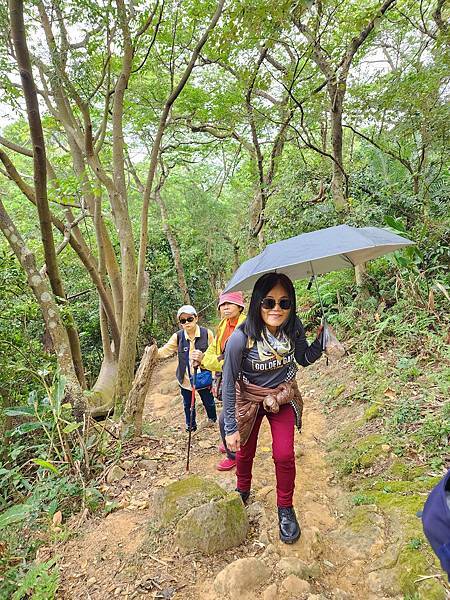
{"x": 282, "y": 426}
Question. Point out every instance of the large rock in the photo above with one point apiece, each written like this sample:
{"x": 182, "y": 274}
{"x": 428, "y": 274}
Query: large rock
{"x": 215, "y": 526}
{"x": 176, "y": 499}
{"x": 240, "y": 578}
{"x": 115, "y": 474}
{"x": 271, "y": 593}
{"x": 363, "y": 535}
{"x": 295, "y": 587}
{"x": 290, "y": 565}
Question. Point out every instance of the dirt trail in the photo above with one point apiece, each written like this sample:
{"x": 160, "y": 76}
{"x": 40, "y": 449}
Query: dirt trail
{"x": 118, "y": 556}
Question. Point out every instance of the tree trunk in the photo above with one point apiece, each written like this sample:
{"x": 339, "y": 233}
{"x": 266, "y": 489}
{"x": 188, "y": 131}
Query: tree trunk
{"x": 101, "y": 397}
{"x": 361, "y": 280}
{"x": 50, "y": 311}
{"x": 40, "y": 173}
{"x": 131, "y": 422}
{"x": 174, "y": 248}
{"x": 256, "y": 237}
{"x": 338, "y": 184}
{"x": 130, "y": 317}
{"x": 360, "y": 274}
{"x": 143, "y": 300}
{"x": 104, "y": 244}
{"x": 119, "y": 204}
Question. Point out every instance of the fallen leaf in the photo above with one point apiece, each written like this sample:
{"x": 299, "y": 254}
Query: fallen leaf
{"x": 390, "y": 393}
{"x": 57, "y": 518}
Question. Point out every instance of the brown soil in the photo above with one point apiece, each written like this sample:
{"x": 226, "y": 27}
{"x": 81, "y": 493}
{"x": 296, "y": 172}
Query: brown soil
{"x": 121, "y": 555}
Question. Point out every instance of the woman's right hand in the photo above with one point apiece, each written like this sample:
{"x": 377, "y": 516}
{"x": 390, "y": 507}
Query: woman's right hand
{"x": 233, "y": 441}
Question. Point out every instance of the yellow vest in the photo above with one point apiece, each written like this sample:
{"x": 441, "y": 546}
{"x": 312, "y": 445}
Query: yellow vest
{"x": 211, "y": 357}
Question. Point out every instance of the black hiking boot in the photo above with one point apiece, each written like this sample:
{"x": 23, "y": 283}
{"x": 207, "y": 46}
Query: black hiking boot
{"x": 288, "y": 524}
{"x": 244, "y": 496}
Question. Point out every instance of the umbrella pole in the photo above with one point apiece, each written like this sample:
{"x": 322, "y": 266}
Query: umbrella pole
{"x": 317, "y": 289}
{"x": 324, "y": 319}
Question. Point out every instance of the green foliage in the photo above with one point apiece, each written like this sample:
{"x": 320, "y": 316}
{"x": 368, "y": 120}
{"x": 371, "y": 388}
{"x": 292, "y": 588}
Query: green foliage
{"x": 360, "y": 499}
{"x": 43, "y": 469}
{"x": 395, "y": 154}
{"x": 21, "y": 353}
{"x": 39, "y": 582}
{"x": 15, "y": 514}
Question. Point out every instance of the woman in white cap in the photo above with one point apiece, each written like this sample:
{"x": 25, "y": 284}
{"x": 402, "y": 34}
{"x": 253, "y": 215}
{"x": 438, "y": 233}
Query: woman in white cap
{"x": 231, "y": 306}
{"x": 190, "y": 342}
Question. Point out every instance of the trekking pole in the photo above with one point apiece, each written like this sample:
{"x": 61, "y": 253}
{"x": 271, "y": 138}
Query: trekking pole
{"x": 191, "y": 416}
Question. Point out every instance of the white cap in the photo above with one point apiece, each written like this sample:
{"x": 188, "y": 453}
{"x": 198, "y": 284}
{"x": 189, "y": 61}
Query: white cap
{"x": 186, "y": 309}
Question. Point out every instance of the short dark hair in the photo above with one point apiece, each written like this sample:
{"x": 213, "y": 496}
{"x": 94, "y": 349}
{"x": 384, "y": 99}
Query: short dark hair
{"x": 254, "y": 325}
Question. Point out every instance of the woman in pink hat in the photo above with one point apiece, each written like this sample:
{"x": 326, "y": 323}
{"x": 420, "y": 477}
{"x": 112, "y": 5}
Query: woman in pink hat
{"x": 231, "y": 306}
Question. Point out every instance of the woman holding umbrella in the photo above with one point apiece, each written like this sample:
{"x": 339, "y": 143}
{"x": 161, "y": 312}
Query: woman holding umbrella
{"x": 259, "y": 373}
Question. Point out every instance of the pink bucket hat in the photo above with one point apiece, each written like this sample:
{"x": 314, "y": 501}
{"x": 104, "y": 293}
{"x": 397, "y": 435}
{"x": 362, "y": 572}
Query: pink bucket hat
{"x": 233, "y": 298}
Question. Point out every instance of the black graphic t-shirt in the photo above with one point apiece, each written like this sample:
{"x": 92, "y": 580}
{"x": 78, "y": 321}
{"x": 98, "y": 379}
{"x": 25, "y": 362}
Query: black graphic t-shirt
{"x": 268, "y": 372}
{"x": 246, "y": 362}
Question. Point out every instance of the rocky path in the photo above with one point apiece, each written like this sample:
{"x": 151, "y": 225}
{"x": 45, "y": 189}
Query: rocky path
{"x": 122, "y": 555}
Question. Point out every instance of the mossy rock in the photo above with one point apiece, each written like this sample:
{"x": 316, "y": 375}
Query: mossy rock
{"x": 362, "y": 534}
{"x": 370, "y": 441}
{"x": 411, "y": 565}
{"x": 364, "y": 517}
{"x": 175, "y": 500}
{"x": 215, "y": 526}
{"x": 369, "y": 449}
{"x": 432, "y": 590}
{"x": 408, "y": 496}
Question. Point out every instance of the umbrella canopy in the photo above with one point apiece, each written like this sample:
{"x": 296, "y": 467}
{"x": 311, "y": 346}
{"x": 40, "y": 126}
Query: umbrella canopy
{"x": 317, "y": 252}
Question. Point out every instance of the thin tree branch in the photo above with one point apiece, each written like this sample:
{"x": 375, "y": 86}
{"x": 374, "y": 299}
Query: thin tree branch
{"x": 275, "y": 63}
{"x": 157, "y": 142}
{"x": 397, "y": 157}
{"x": 153, "y": 40}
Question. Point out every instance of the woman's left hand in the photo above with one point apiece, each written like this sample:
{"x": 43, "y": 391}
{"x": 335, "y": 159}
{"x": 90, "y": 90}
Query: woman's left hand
{"x": 233, "y": 441}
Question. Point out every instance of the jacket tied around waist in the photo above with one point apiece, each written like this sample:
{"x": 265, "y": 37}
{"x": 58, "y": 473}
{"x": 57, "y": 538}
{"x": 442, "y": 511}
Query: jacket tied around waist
{"x": 250, "y": 396}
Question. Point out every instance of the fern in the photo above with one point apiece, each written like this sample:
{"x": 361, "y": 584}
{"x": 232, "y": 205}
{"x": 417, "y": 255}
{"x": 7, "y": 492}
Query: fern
{"x": 38, "y": 581}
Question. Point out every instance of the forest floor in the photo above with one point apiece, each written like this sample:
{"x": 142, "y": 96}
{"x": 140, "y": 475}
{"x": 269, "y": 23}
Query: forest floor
{"x": 355, "y": 551}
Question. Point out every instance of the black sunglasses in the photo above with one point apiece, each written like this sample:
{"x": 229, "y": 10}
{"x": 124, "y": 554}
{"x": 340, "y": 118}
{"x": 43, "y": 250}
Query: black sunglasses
{"x": 188, "y": 320}
{"x": 270, "y": 303}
